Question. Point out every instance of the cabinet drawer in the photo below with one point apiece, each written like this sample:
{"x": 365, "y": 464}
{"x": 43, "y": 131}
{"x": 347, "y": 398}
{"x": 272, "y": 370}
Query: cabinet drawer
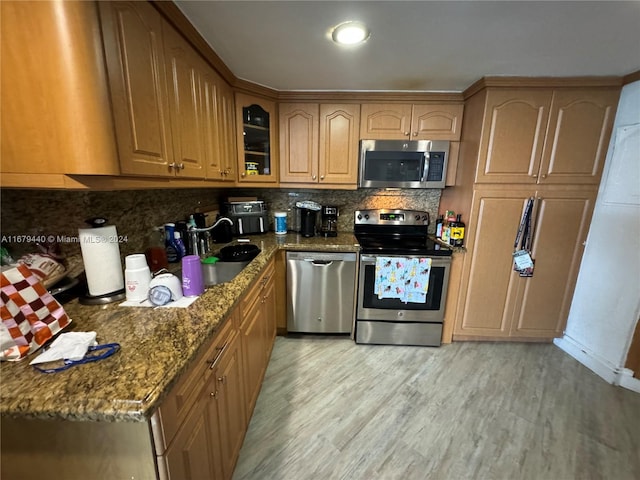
{"x": 166, "y": 421}
{"x": 255, "y": 293}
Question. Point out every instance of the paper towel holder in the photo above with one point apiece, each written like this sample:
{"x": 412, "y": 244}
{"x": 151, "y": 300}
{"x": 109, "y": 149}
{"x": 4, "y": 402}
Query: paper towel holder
{"x": 111, "y": 297}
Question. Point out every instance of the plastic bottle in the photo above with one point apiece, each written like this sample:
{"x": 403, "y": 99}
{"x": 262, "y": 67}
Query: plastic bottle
{"x": 179, "y": 244}
{"x": 439, "y": 224}
{"x": 173, "y": 252}
{"x": 457, "y": 232}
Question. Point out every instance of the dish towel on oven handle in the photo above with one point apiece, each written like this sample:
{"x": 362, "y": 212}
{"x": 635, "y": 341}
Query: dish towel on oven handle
{"x": 406, "y": 279}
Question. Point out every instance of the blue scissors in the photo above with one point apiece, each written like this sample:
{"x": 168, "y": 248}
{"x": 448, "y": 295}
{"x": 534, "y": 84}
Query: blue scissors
{"x": 95, "y": 353}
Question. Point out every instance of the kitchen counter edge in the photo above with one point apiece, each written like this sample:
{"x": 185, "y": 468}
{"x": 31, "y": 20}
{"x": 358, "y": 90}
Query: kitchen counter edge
{"x": 158, "y": 345}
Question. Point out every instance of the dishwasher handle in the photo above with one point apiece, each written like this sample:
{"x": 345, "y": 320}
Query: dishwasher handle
{"x": 319, "y": 263}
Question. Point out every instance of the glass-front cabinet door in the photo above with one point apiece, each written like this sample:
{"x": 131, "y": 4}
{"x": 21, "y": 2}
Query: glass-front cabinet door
{"x": 257, "y": 152}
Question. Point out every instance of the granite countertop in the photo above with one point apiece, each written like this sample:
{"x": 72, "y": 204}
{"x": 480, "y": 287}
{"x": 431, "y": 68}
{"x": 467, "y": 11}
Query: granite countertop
{"x": 157, "y": 346}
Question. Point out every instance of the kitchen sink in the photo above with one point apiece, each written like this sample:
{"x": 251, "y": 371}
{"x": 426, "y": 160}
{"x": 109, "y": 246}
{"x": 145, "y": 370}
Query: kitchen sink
{"x": 231, "y": 261}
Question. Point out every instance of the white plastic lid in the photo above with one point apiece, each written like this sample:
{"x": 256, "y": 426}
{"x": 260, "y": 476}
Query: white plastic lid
{"x": 281, "y": 214}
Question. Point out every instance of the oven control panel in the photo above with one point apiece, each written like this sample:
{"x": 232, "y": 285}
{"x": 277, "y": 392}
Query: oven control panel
{"x": 391, "y": 217}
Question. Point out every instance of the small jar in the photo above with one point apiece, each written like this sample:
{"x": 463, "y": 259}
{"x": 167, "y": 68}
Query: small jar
{"x": 281, "y": 223}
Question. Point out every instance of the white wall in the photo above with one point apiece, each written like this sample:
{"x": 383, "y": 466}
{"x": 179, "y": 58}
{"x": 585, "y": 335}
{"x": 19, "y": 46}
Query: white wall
{"x": 606, "y": 302}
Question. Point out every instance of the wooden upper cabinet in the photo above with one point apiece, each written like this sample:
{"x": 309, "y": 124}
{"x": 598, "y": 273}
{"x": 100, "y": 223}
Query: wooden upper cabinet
{"x": 132, "y": 33}
{"x": 299, "y": 142}
{"x": 578, "y": 135}
{"x": 185, "y": 72}
{"x": 319, "y": 143}
{"x": 256, "y": 120}
{"x": 436, "y": 122}
{"x": 56, "y": 112}
{"x": 515, "y": 123}
{"x": 411, "y": 122}
{"x": 545, "y": 136}
{"x": 385, "y": 121}
{"x": 338, "y": 152}
{"x": 226, "y": 131}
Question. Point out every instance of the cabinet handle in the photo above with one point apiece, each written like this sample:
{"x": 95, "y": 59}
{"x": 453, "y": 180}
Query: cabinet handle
{"x": 415, "y": 134}
{"x": 406, "y": 134}
{"x": 181, "y": 166}
{"x": 214, "y": 394}
{"x": 243, "y": 174}
{"x": 321, "y": 177}
{"x": 544, "y": 175}
{"x": 535, "y": 175}
{"x": 173, "y": 165}
{"x": 213, "y": 363}
{"x": 313, "y": 177}
{"x": 223, "y": 379}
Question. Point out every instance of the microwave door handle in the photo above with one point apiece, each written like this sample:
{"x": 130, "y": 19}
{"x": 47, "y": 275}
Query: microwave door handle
{"x": 425, "y": 171}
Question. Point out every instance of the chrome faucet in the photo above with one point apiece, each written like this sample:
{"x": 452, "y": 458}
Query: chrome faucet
{"x": 201, "y": 245}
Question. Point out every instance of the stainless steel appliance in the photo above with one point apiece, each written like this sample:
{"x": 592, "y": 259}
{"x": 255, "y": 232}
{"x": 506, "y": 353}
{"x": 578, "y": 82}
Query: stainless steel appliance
{"x": 320, "y": 292}
{"x": 329, "y": 223}
{"x": 403, "y": 164}
{"x": 248, "y": 216}
{"x": 399, "y": 236}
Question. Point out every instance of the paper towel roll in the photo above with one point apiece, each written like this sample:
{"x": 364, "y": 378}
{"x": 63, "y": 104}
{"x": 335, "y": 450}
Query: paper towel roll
{"x": 101, "y": 258}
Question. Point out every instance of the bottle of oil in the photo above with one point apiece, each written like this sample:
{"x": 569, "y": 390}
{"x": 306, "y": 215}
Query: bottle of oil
{"x": 456, "y": 232}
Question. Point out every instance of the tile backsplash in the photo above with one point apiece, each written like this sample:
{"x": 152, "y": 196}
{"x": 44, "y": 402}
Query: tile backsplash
{"x": 136, "y": 212}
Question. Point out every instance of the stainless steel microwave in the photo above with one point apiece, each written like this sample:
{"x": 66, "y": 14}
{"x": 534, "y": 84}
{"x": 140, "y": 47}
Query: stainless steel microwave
{"x": 403, "y": 164}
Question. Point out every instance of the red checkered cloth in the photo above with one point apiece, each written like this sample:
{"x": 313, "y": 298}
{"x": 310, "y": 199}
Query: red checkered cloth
{"x": 30, "y": 315}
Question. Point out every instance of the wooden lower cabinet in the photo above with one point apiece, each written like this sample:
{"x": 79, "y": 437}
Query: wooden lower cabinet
{"x": 226, "y": 402}
{"x": 258, "y": 331}
{"x": 495, "y": 302}
{"x": 195, "y": 452}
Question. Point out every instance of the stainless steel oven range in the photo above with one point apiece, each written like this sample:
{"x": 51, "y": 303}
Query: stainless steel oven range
{"x": 402, "y": 280}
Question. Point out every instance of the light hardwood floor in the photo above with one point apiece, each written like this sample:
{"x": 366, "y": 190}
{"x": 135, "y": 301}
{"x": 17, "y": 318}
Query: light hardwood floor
{"x": 330, "y": 409}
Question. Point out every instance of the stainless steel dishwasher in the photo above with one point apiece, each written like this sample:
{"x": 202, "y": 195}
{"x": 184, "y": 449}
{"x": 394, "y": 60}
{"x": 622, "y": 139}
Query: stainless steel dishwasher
{"x": 320, "y": 292}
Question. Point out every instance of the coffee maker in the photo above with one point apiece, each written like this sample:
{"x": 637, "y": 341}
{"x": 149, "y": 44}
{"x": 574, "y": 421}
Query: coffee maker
{"x": 329, "y": 225}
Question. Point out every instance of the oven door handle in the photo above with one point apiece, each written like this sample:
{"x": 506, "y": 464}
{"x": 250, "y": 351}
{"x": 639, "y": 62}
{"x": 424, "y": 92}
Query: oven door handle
{"x": 367, "y": 258}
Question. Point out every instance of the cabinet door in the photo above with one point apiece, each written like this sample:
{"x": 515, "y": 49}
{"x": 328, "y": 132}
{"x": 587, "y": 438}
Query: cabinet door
{"x": 578, "y": 135}
{"x": 436, "y": 122}
{"x": 513, "y": 135}
{"x": 257, "y": 154}
{"x": 385, "y": 121}
{"x": 185, "y": 105}
{"x": 226, "y": 131}
{"x": 488, "y": 281}
{"x": 338, "y": 148}
{"x": 561, "y": 228}
{"x": 219, "y": 137}
{"x": 253, "y": 332}
{"x": 190, "y": 456}
{"x": 56, "y": 111}
{"x": 132, "y": 33}
{"x": 299, "y": 142}
{"x": 230, "y": 404}
{"x": 212, "y": 141}
{"x": 270, "y": 310}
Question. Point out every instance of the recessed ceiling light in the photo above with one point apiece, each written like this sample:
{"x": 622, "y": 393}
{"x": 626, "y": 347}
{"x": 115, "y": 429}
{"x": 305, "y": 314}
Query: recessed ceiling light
{"x": 350, "y": 33}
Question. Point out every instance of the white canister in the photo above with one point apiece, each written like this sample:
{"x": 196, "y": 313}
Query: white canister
{"x": 137, "y": 276}
{"x": 281, "y": 223}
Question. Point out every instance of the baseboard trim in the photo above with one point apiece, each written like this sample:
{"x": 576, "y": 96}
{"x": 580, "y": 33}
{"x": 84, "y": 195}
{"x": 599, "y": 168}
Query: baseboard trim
{"x": 600, "y": 366}
{"x": 628, "y": 381}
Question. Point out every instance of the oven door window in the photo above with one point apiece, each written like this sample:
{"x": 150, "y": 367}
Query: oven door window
{"x": 434, "y": 293}
{"x": 394, "y": 166}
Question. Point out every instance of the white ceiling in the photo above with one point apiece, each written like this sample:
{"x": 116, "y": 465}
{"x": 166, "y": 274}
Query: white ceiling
{"x": 418, "y": 45}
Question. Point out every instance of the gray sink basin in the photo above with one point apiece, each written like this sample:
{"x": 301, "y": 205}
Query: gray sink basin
{"x": 220, "y": 272}
{"x": 232, "y": 261}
